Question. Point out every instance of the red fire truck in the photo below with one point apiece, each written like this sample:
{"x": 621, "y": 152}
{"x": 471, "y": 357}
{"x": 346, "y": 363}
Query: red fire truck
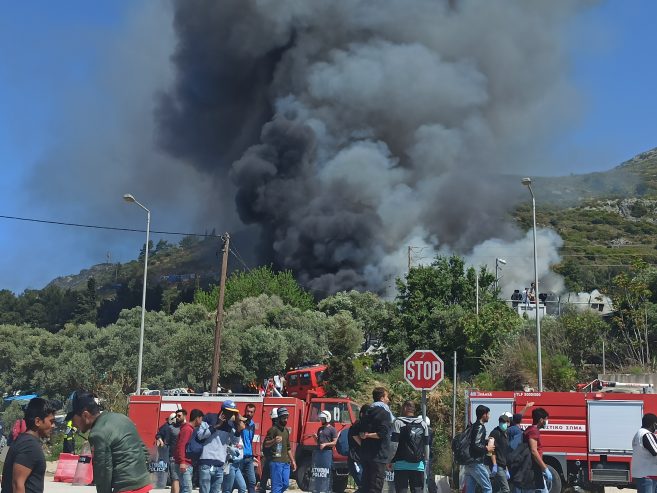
{"x": 588, "y": 442}
{"x": 148, "y": 412}
{"x": 307, "y": 381}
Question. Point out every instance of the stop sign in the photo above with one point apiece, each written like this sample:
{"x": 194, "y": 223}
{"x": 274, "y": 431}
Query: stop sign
{"x": 423, "y": 369}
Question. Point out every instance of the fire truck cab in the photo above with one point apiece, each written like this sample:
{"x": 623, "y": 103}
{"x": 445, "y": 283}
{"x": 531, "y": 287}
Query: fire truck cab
{"x": 306, "y": 381}
{"x": 588, "y": 442}
{"x": 149, "y": 412}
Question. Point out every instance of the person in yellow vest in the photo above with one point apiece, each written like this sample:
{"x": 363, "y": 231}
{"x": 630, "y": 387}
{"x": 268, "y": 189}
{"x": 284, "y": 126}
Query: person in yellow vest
{"x": 69, "y": 438}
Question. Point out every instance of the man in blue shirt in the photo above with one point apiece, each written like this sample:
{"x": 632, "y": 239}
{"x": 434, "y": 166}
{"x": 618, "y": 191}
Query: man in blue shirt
{"x": 249, "y": 462}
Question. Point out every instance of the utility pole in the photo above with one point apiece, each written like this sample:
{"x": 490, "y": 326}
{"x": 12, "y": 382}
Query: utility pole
{"x": 216, "y": 360}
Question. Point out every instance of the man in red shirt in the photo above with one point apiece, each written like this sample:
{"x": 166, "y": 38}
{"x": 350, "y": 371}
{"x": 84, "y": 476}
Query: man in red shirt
{"x": 183, "y": 464}
{"x": 532, "y": 436}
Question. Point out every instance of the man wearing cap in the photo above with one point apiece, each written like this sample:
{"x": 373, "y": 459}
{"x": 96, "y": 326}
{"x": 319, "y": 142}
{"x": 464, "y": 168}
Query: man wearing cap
{"x": 217, "y": 431}
{"x": 278, "y": 439}
{"x": 120, "y": 457}
{"x": 266, "y": 456}
{"x": 497, "y": 462}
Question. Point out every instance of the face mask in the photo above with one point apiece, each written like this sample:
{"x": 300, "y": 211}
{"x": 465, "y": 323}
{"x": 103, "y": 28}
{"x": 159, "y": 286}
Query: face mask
{"x": 503, "y": 426}
{"x": 545, "y": 424}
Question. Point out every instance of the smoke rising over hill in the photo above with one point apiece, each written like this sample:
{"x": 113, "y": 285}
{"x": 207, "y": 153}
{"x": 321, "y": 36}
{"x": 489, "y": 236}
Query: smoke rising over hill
{"x": 352, "y": 129}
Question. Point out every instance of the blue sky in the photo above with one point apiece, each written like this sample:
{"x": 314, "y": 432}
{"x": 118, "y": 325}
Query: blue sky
{"x": 51, "y": 50}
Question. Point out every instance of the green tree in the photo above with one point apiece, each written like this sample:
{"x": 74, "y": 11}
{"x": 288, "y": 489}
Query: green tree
{"x": 374, "y": 315}
{"x": 263, "y": 280}
{"x": 630, "y": 295}
{"x": 436, "y": 310}
{"x": 345, "y": 338}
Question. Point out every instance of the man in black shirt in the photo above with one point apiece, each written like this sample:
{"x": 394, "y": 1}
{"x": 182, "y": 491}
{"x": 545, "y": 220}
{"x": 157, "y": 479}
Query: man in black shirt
{"x": 497, "y": 461}
{"x": 25, "y": 464}
{"x": 374, "y": 431}
{"x": 353, "y": 461}
{"x": 476, "y": 473}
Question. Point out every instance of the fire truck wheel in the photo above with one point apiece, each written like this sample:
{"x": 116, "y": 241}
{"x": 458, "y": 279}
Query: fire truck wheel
{"x": 303, "y": 474}
{"x": 339, "y": 483}
{"x": 556, "y": 481}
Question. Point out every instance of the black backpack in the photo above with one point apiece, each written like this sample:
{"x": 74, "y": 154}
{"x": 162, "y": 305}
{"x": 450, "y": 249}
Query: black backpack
{"x": 411, "y": 443}
{"x": 461, "y": 447}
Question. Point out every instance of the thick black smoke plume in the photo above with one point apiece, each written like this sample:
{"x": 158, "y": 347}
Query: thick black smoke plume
{"x": 354, "y": 128}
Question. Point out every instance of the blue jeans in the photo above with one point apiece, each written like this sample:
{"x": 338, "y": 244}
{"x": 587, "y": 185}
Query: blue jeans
{"x": 280, "y": 476}
{"x": 210, "y": 478}
{"x": 645, "y": 485}
{"x": 234, "y": 478}
{"x": 185, "y": 478}
{"x": 248, "y": 473}
{"x": 477, "y": 474}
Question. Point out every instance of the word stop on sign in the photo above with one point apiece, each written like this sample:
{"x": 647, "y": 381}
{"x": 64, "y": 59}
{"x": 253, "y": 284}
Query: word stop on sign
{"x": 423, "y": 370}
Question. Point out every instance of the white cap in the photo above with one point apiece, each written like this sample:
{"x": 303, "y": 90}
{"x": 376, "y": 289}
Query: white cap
{"x": 326, "y": 415}
{"x": 172, "y": 416}
{"x": 274, "y": 413}
{"x": 508, "y": 415}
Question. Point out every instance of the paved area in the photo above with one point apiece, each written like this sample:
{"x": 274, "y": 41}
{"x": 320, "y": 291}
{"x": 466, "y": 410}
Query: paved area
{"x": 52, "y": 487}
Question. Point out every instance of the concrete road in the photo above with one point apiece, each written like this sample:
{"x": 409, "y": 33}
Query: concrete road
{"x": 52, "y": 487}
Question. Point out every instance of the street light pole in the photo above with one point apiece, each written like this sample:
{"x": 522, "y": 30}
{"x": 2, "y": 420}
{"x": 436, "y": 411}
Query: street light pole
{"x": 129, "y": 198}
{"x": 528, "y": 183}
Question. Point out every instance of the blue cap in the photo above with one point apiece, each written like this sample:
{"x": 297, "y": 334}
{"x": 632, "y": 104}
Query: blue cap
{"x": 229, "y": 406}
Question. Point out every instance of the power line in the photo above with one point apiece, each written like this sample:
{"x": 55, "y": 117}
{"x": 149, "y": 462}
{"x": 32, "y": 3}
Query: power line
{"x": 111, "y": 228}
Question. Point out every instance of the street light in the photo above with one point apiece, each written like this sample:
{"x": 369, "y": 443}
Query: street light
{"x": 528, "y": 183}
{"x": 497, "y": 262}
{"x": 130, "y": 198}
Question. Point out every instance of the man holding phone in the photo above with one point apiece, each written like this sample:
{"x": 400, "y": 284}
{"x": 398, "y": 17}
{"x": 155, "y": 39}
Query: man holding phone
{"x": 217, "y": 431}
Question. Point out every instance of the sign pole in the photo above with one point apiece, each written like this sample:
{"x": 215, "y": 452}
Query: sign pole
{"x": 423, "y": 370}
{"x": 426, "y": 445}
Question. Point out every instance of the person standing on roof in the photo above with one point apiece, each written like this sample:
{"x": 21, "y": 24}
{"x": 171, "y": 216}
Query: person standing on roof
{"x": 266, "y": 456}
{"x": 282, "y": 461}
{"x": 120, "y": 457}
{"x": 644, "y": 455}
{"x": 248, "y": 463}
{"x": 410, "y": 434}
{"x": 218, "y": 431}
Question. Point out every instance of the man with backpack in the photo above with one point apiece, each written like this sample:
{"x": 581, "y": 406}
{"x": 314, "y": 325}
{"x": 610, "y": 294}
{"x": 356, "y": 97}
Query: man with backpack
{"x": 353, "y": 449}
{"x": 476, "y": 472}
{"x": 410, "y": 434}
{"x": 532, "y": 436}
{"x": 184, "y": 464}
